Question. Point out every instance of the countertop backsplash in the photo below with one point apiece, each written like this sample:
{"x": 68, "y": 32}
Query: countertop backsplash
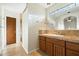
{"x": 61, "y": 32}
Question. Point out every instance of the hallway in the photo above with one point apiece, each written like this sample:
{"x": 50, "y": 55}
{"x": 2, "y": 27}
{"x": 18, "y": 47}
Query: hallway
{"x": 13, "y": 50}
{"x": 17, "y": 50}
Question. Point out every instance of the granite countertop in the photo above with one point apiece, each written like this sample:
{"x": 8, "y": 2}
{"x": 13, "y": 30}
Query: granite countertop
{"x": 74, "y": 38}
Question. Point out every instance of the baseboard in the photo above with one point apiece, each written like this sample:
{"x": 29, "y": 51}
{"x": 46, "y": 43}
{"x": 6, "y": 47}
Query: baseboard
{"x": 28, "y": 52}
{"x": 25, "y": 49}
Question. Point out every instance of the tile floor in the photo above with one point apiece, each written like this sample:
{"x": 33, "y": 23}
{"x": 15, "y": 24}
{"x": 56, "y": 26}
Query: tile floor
{"x": 13, "y": 50}
{"x": 17, "y": 50}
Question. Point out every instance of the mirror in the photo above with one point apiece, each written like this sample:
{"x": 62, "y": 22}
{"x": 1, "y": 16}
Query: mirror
{"x": 63, "y": 16}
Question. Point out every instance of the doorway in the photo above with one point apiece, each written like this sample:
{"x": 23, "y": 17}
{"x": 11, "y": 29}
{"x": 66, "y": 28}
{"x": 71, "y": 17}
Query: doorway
{"x": 10, "y": 30}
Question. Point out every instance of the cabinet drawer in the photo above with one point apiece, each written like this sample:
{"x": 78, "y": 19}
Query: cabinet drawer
{"x": 71, "y": 53}
{"x": 59, "y": 42}
{"x": 72, "y": 46}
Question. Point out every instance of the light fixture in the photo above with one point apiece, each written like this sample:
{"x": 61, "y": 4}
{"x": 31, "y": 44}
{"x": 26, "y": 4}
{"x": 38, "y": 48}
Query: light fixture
{"x": 69, "y": 19}
{"x": 68, "y": 12}
{"x": 63, "y": 9}
{"x": 48, "y": 3}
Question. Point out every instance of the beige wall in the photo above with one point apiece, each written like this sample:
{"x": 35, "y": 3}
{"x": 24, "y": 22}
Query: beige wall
{"x": 10, "y": 13}
{"x": 32, "y": 20}
{"x": 36, "y": 16}
{"x": 25, "y": 18}
{"x": 0, "y": 27}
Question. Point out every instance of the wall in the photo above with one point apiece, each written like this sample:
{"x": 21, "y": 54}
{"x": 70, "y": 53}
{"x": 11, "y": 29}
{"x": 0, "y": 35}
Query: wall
{"x": 10, "y": 14}
{"x": 31, "y": 23}
{"x": 52, "y": 23}
{"x": 36, "y": 16}
{"x": 33, "y": 33}
{"x": 25, "y": 18}
{"x": 0, "y": 27}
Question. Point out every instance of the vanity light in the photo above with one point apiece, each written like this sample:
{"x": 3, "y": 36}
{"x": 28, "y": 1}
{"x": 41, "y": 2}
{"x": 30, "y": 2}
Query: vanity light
{"x": 69, "y": 19}
{"x": 48, "y": 3}
{"x": 64, "y": 9}
{"x": 68, "y": 12}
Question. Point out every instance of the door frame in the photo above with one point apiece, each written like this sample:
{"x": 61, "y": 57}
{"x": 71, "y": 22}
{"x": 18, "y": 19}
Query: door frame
{"x": 6, "y": 30}
{"x": 3, "y": 29}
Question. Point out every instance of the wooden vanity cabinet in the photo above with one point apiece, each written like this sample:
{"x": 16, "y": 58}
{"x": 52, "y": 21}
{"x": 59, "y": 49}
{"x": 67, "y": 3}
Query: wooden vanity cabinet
{"x": 55, "y": 47}
{"x": 72, "y": 49}
{"x": 52, "y": 46}
{"x": 49, "y": 47}
{"x": 42, "y": 43}
{"x": 59, "y": 47}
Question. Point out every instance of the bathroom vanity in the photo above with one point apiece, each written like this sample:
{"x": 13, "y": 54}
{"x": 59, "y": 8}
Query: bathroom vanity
{"x": 59, "y": 45}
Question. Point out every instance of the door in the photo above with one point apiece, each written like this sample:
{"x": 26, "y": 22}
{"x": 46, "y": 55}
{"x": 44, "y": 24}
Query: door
{"x": 70, "y": 52}
{"x": 59, "y": 50}
{"x": 11, "y": 30}
{"x": 42, "y": 43}
{"x": 49, "y": 48}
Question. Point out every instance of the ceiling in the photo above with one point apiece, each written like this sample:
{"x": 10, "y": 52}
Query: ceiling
{"x": 15, "y": 7}
{"x": 19, "y": 7}
{"x": 35, "y": 7}
{"x": 63, "y": 11}
{"x": 46, "y": 5}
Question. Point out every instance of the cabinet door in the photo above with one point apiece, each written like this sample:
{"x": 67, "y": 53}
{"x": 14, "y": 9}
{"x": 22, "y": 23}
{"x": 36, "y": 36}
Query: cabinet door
{"x": 49, "y": 48}
{"x": 71, "y": 53}
{"x": 42, "y": 46}
{"x": 42, "y": 43}
{"x": 59, "y": 50}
